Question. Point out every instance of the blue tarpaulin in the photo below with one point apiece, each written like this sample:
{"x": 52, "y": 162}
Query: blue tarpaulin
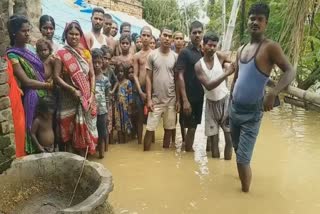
{"x": 64, "y": 11}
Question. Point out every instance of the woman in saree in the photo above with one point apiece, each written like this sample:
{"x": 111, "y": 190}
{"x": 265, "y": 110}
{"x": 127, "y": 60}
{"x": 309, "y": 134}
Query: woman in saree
{"x": 77, "y": 110}
{"x": 29, "y": 72}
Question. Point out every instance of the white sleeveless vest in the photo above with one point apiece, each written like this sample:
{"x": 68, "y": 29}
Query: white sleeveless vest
{"x": 96, "y": 43}
{"x": 221, "y": 91}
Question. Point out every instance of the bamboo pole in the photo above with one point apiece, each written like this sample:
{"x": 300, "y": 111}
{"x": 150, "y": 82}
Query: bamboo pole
{"x": 301, "y": 104}
{"x": 226, "y": 43}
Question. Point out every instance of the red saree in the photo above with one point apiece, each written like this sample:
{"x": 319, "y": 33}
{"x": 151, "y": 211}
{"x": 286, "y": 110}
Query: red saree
{"x": 17, "y": 112}
{"x": 77, "y": 121}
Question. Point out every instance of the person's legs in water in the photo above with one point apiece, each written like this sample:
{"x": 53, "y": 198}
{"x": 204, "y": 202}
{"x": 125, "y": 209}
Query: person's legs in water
{"x": 140, "y": 119}
{"x": 173, "y": 137}
{"x": 169, "y": 124}
{"x": 215, "y": 146}
{"x": 208, "y": 148}
{"x": 228, "y": 146}
{"x": 147, "y": 140}
{"x": 152, "y": 123}
{"x": 189, "y": 139}
{"x": 154, "y": 137}
{"x": 167, "y": 137}
{"x": 244, "y": 131}
{"x": 101, "y": 144}
{"x": 183, "y": 133}
{"x": 245, "y": 176}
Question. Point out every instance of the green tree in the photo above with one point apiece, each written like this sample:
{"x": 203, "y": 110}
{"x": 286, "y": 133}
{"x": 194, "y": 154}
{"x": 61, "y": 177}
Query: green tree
{"x": 168, "y": 13}
{"x": 293, "y": 23}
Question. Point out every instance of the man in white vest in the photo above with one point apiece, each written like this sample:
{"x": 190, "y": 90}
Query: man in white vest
{"x": 209, "y": 71}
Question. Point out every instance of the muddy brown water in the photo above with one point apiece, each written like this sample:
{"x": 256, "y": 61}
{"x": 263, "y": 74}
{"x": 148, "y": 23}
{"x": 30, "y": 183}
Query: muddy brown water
{"x": 285, "y": 166}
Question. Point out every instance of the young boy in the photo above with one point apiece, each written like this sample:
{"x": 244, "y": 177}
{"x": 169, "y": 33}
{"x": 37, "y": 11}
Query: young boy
{"x": 102, "y": 91}
{"x": 255, "y": 61}
{"x": 42, "y": 132}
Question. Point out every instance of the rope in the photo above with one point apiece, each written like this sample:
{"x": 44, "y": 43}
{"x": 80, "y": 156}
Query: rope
{"x": 11, "y": 159}
{"x": 75, "y": 189}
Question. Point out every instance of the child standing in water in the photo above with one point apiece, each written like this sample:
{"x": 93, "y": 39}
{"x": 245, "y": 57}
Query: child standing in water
{"x": 42, "y": 132}
{"x": 135, "y": 101}
{"x": 123, "y": 104}
{"x": 108, "y": 71}
{"x": 101, "y": 92}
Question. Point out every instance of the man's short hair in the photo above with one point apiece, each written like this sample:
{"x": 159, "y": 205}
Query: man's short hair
{"x": 210, "y": 36}
{"x": 195, "y": 24}
{"x": 124, "y": 24}
{"x": 259, "y": 8}
{"x": 165, "y": 28}
{"x": 97, "y": 10}
{"x": 107, "y": 16}
{"x": 177, "y": 32}
{"x": 146, "y": 28}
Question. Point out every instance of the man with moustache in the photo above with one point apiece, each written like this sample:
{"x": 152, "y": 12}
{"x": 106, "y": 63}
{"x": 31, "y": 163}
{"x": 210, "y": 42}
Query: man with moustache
{"x": 255, "y": 62}
{"x": 107, "y": 31}
{"x": 191, "y": 91}
{"x": 209, "y": 71}
{"x": 95, "y": 38}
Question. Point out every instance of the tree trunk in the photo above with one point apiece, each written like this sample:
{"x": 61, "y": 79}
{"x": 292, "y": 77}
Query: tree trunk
{"x": 302, "y": 94}
{"x": 301, "y": 104}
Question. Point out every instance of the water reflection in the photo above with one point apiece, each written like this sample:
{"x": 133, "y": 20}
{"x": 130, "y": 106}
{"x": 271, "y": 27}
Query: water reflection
{"x": 285, "y": 163}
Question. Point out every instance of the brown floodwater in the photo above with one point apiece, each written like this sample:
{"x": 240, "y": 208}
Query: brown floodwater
{"x": 285, "y": 165}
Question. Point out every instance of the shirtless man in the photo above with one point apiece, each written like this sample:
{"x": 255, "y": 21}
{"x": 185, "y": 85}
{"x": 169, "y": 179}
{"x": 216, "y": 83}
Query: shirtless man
{"x": 255, "y": 61}
{"x": 42, "y": 132}
{"x": 107, "y": 31}
{"x": 114, "y": 29}
{"x": 140, "y": 72}
{"x": 95, "y": 38}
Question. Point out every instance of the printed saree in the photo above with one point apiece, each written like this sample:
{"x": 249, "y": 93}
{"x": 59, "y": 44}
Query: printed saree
{"x": 34, "y": 69}
{"x": 77, "y": 120}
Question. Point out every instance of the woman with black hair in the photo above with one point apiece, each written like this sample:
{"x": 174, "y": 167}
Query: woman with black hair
{"x": 73, "y": 72}
{"x": 47, "y": 27}
{"x": 28, "y": 70}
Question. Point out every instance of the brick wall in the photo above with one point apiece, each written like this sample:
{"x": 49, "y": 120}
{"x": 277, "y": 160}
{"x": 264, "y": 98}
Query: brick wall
{"x": 7, "y": 144}
{"x": 4, "y": 15}
{"x": 30, "y": 9}
{"x": 131, "y": 7}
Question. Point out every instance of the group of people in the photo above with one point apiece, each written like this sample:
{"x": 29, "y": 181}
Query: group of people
{"x": 75, "y": 94}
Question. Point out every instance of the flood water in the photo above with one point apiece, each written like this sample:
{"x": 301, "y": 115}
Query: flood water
{"x": 285, "y": 165}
